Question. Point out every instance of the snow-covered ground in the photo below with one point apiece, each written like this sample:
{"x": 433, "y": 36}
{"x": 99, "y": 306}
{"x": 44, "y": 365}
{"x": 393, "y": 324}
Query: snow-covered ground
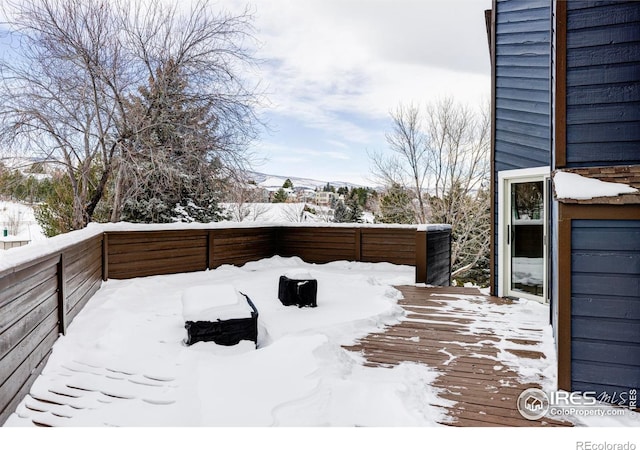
{"x": 123, "y": 361}
{"x": 283, "y": 213}
{"x": 276, "y": 212}
{"x": 18, "y": 219}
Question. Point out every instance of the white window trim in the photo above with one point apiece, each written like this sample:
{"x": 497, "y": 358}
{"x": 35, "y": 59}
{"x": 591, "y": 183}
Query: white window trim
{"x": 503, "y": 177}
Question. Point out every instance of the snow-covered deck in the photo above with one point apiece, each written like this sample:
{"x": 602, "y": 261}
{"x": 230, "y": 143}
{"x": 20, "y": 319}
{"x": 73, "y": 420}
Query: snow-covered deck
{"x": 487, "y": 351}
{"x": 368, "y": 355}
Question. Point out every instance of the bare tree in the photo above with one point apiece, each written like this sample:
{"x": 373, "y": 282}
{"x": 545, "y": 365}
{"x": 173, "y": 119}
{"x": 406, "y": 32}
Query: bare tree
{"x": 76, "y": 63}
{"x": 459, "y": 157}
{"x": 15, "y": 222}
{"x": 255, "y": 212}
{"x": 442, "y": 158}
{"x": 295, "y": 212}
{"x": 409, "y": 164}
{"x": 245, "y": 202}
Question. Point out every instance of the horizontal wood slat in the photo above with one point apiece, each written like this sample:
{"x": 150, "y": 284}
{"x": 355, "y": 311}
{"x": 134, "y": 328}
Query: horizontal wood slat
{"x": 135, "y": 237}
{"x": 15, "y": 381}
{"x": 145, "y": 253}
{"x": 13, "y": 284}
{"x": 32, "y": 296}
{"x": 79, "y": 251}
{"x": 139, "y": 249}
{"x": 14, "y": 334}
{"x": 116, "y": 259}
{"x": 19, "y": 353}
{"x": 163, "y": 266}
{"x": 241, "y": 246}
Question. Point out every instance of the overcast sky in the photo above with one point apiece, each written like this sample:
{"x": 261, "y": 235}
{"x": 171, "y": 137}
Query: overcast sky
{"x": 335, "y": 68}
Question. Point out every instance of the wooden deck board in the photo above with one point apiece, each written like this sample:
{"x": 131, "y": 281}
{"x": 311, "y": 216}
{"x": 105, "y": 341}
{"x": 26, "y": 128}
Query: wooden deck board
{"x": 461, "y": 345}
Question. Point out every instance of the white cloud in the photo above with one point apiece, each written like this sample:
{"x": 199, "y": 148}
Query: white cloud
{"x": 365, "y": 57}
{"x": 293, "y": 154}
{"x": 339, "y": 65}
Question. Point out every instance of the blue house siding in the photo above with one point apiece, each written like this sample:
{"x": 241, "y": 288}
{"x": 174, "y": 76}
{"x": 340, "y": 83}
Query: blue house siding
{"x": 605, "y": 304}
{"x": 603, "y": 83}
{"x": 522, "y": 85}
{"x": 522, "y": 136}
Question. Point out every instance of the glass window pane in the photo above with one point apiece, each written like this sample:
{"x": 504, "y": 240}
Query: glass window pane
{"x": 527, "y": 237}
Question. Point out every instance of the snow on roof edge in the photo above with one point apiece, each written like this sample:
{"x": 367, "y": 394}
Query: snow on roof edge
{"x": 577, "y": 187}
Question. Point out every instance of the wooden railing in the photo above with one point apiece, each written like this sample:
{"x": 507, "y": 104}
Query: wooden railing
{"x": 38, "y": 299}
{"x": 130, "y": 254}
{"x": 40, "y": 296}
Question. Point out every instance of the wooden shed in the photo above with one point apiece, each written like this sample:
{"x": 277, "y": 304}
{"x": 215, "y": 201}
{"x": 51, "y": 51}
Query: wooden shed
{"x": 566, "y": 98}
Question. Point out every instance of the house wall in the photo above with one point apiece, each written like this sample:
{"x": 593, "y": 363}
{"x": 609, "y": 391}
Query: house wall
{"x": 597, "y": 124}
{"x": 588, "y": 116}
{"x": 605, "y": 299}
{"x": 602, "y": 83}
{"x": 522, "y": 128}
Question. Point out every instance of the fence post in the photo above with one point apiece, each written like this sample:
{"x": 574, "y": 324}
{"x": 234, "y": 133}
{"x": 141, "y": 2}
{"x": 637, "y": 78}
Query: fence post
{"x": 105, "y": 256}
{"x": 210, "y": 237}
{"x": 62, "y": 301}
{"x": 421, "y": 255}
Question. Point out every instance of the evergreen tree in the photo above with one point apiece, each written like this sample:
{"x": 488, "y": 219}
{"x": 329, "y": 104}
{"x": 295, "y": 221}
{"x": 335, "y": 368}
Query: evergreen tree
{"x": 167, "y": 173}
{"x": 355, "y": 209}
{"x": 341, "y": 213}
{"x": 54, "y": 215}
{"x": 362, "y": 194}
{"x": 287, "y": 184}
{"x": 68, "y": 98}
{"x": 280, "y": 196}
{"x": 395, "y": 206}
{"x": 348, "y": 211}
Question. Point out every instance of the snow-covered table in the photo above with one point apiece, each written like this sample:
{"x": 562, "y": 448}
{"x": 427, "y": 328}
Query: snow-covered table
{"x": 219, "y": 313}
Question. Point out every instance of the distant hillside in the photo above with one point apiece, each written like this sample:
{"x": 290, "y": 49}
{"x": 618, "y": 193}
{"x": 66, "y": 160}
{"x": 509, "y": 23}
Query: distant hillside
{"x": 276, "y": 181}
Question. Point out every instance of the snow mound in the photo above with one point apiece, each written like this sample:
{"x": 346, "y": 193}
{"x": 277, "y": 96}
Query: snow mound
{"x": 213, "y": 303}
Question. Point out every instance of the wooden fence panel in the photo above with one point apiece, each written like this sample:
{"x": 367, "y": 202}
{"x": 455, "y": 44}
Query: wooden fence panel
{"x": 394, "y": 245}
{"x": 82, "y": 275}
{"x": 144, "y": 253}
{"x": 28, "y": 327}
{"x": 239, "y": 246}
{"x": 318, "y": 244}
